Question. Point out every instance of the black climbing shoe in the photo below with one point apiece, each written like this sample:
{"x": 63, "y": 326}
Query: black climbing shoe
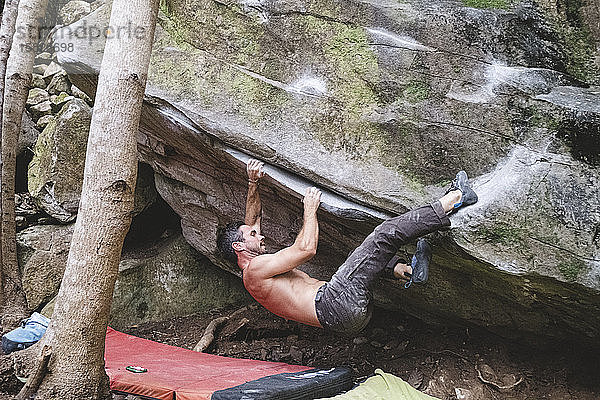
{"x": 461, "y": 182}
{"x": 420, "y": 264}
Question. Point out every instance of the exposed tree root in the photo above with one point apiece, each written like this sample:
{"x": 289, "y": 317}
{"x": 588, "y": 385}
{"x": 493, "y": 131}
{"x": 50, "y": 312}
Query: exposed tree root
{"x": 501, "y": 388}
{"x": 35, "y": 380}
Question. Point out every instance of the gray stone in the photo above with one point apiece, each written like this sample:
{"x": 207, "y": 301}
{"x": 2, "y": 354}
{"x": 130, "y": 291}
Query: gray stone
{"x": 380, "y": 104}
{"x": 43, "y": 58}
{"x": 59, "y": 83}
{"x": 41, "y": 109}
{"x": 73, "y": 11}
{"x": 43, "y": 251}
{"x": 37, "y": 81}
{"x": 60, "y": 100}
{"x": 29, "y": 134}
{"x": 56, "y": 171}
{"x": 55, "y": 174}
{"x": 51, "y": 70}
{"x": 37, "y": 96}
{"x": 81, "y": 94}
{"x": 40, "y": 69}
{"x": 43, "y": 122}
{"x": 175, "y": 282}
{"x": 168, "y": 280}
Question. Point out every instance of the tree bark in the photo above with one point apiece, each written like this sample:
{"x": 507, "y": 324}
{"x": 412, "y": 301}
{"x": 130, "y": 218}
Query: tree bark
{"x": 18, "y": 76}
{"x": 78, "y": 327}
{"x": 7, "y": 31}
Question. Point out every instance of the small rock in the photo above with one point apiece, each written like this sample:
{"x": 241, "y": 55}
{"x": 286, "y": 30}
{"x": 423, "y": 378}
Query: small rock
{"x": 360, "y": 340}
{"x": 400, "y": 328}
{"x": 43, "y": 58}
{"x": 21, "y": 222}
{"x": 263, "y": 354}
{"x": 392, "y": 344}
{"x": 463, "y": 394}
{"x": 37, "y": 81}
{"x": 509, "y": 380}
{"x": 73, "y": 11}
{"x": 37, "y": 96}
{"x": 60, "y": 100}
{"x": 81, "y": 94}
{"x": 51, "y": 70}
{"x": 44, "y": 121}
{"x": 296, "y": 354}
{"x": 29, "y": 134}
{"x": 488, "y": 373}
{"x": 40, "y": 69}
{"x": 41, "y": 109}
{"x": 25, "y": 205}
{"x": 59, "y": 83}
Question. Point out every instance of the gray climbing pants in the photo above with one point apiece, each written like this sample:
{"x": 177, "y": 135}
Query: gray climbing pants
{"x": 343, "y": 303}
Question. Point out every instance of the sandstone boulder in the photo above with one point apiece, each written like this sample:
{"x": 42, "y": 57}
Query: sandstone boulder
{"x": 380, "y": 103}
{"x": 73, "y": 11}
{"x": 167, "y": 280}
{"x": 56, "y": 171}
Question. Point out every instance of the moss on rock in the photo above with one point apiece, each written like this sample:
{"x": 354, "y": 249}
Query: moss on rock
{"x": 498, "y": 4}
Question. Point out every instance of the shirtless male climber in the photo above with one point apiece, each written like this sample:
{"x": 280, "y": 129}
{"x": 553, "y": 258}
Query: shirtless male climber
{"x": 342, "y": 304}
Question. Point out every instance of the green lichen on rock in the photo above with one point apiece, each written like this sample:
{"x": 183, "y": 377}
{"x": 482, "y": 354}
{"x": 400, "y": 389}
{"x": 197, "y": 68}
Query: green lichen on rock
{"x": 574, "y": 37}
{"x": 352, "y": 67}
{"x": 498, "y": 4}
{"x": 502, "y": 233}
{"x": 417, "y": 91}
{"x": 355, "y": 64}
{"x": 571, "y": 269}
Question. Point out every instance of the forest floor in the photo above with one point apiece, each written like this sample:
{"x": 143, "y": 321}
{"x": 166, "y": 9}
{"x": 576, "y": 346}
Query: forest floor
{"x": 444, "y": 362}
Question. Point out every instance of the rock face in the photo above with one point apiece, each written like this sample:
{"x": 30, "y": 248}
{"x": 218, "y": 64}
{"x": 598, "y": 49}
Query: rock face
{"x": 73, "y": 11}
{"x": 43, "y": 251}
{"x": 55, "y": 175}
{"x": 56, "y": 171}
{"x": 380, "y": 103}
{"x": 167, "y": 280}
{"x": 176, "y": 281}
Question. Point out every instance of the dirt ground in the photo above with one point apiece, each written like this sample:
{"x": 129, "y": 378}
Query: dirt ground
{"x": 443, "y": 362}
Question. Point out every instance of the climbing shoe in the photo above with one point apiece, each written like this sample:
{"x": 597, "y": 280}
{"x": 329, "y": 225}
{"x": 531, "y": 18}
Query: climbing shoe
{"x": 461, "y": 182}
{"x": 31, "y": 330}
{"x": 420, "y": 264}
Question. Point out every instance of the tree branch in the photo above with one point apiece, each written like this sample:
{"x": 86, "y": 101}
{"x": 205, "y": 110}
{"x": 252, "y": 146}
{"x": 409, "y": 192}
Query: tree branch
{"x": 209, "y": 334}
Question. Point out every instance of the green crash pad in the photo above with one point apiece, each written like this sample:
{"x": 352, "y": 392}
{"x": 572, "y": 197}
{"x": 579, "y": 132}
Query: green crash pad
{"x": 383, "y": 386}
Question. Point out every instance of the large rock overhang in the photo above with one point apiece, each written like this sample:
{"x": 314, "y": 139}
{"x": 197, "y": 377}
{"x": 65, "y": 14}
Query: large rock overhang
{"x": 523, "y": 262}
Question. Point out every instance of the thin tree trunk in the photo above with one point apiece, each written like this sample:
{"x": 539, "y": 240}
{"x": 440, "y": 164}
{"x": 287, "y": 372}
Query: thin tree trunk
{"x": 77, "y": 331}
{"x": 18, "y": 76}
{"x": 7, "y": 31}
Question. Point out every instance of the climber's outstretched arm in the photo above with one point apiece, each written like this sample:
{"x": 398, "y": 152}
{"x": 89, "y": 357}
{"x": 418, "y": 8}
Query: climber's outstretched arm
{"x": 253, "y": 205}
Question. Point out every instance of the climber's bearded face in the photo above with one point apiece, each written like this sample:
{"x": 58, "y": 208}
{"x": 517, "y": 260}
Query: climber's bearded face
{"x": 254, "y": 243}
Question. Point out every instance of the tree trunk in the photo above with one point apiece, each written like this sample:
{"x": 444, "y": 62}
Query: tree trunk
{"x": 18, "y": 76}
{"x": 77, "y": 330}
{"x": 7, "y": 31}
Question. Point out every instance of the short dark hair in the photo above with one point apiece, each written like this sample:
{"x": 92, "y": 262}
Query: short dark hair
{"x": 226, "y": 237}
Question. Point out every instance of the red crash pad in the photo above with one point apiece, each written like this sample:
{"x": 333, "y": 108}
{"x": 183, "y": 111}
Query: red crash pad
{"x": 177, "y": 373}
